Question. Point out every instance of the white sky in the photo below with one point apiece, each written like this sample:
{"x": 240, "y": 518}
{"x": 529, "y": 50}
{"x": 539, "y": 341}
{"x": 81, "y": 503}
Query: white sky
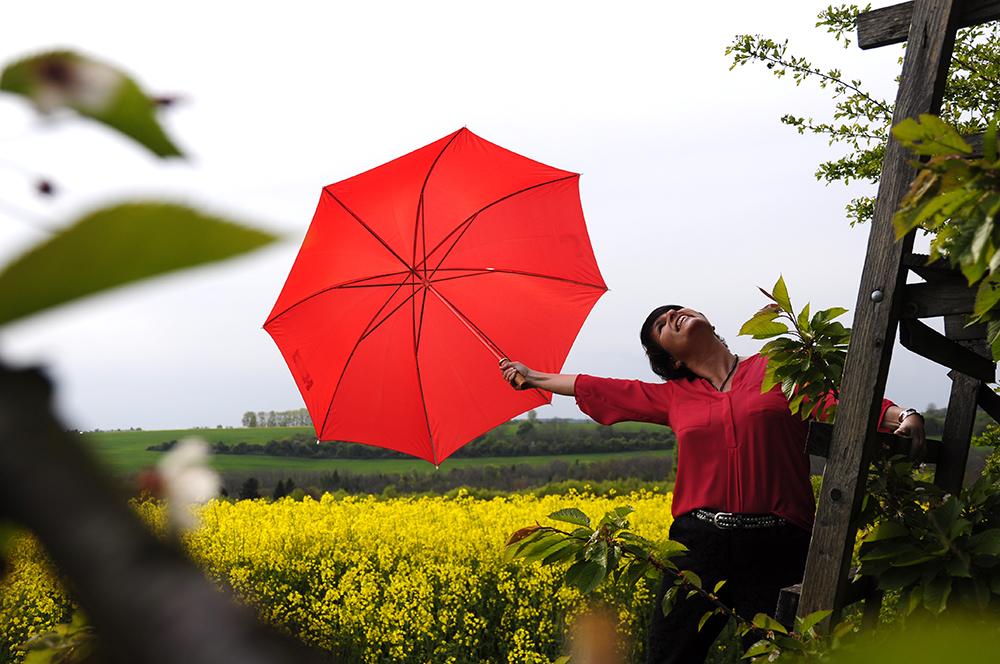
{"x": 693, "y": 190}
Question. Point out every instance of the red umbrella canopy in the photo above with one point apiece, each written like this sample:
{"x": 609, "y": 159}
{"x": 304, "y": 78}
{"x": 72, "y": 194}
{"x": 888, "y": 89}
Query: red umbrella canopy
{"x": 415, "y": 277}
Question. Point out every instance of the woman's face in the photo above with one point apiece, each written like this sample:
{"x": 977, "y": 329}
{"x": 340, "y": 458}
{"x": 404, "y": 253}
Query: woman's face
{"x": 675, "y": 329}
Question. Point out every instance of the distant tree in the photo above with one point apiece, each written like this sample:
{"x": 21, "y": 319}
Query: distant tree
{"x": 279, "y": 491}
{"x": 289, "y": 485}
{"x": 250, "y": 489}
{"x": 261, "y": 419}
{"x": 249, "y": 419}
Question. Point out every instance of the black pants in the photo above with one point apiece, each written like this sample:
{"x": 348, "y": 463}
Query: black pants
{"x": 756, "y": 565}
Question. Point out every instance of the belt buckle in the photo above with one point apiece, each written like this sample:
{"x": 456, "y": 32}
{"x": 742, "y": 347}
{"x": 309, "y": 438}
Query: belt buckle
{"x": 729, "y": 521}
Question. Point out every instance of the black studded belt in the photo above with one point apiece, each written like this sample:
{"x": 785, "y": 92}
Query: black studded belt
{"x": 731, "y": 521}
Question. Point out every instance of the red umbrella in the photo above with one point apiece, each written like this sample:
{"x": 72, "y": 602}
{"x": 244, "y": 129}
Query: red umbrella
{"x": 417, "y": 276}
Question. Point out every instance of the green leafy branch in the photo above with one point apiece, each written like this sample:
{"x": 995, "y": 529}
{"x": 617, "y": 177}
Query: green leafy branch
{"x": 809, "y": 363}
{"x": 68, "y": 643}
{"x": 956, "y": 197}
{"x": 929, "y": 546}
{"x": 862, "y": 121}
{"x": 610, "y": 550}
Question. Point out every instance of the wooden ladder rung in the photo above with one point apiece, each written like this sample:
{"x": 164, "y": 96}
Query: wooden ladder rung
{"x": 859, "y": 588}
{"x": 928, "y": 342}
{"x": 820, "y": 433}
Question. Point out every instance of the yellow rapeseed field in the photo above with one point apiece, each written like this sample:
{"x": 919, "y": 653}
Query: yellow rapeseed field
{"x": 416, "y": 580}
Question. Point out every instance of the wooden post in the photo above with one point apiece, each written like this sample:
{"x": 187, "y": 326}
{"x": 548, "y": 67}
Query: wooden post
{"x": 962, "y": 405}
{"x": 932, "y": 30}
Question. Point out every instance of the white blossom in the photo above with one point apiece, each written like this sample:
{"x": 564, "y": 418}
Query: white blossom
{"x": 77, "y": 83}
{"x": 188, "y": 480}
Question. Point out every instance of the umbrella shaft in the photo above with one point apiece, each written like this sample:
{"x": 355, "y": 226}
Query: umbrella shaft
{"x": 472, "y": 328}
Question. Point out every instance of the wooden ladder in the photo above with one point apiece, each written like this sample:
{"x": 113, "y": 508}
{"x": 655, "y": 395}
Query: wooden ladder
{"x": 886, "y": 301}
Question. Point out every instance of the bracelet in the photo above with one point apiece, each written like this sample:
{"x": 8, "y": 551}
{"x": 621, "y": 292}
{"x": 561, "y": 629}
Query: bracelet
{"x": 910, "y": 411}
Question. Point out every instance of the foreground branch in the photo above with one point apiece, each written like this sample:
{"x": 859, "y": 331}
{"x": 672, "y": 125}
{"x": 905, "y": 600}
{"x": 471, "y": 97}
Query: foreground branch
{"x": 148, "y": 601}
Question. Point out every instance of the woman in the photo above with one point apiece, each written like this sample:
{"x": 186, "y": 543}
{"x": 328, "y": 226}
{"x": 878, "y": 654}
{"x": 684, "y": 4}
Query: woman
{"x": 743, "y": 503}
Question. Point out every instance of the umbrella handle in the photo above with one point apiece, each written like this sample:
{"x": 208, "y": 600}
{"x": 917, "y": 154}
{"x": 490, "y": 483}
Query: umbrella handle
{"x": 518, "y": 379}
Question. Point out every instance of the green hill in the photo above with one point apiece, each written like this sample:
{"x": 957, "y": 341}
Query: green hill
{"x": 124, "y": 452}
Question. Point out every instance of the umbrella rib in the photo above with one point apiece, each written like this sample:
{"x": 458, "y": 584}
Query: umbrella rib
{"x": 418, "y": 324}
{"x": 354, "y": 283}
{"x": 465, "y": 225}
{"x": 479, "y": 272}
{"x": 371, "y": 328}
{"x": 483, "y": 338}
{"x": 364, "y": 335}
{"x": 419, "y": 228}
{"x": 369, "y": 229}
{"x": 427, "y": 418}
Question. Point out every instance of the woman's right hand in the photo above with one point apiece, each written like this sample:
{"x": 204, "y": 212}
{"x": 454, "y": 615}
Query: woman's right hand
{"x": 564, "y": 384}
{"x": 516, "y": 374}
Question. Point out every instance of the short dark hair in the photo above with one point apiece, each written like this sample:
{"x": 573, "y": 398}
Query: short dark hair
{"x": 660, "y": 361}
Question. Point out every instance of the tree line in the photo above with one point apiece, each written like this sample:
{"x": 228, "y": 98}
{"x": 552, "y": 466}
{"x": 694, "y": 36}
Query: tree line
{"x": 532, "y": 438}
{"x": 277, "y": 418}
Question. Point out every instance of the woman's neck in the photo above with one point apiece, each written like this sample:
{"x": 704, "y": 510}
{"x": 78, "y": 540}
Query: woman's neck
{"x": 717, "y": 367}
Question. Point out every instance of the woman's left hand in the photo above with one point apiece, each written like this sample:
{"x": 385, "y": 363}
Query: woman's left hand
{"x": 913, "y": 427}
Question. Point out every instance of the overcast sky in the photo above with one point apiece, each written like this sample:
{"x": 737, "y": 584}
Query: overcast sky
{"x": 694, "y": 192}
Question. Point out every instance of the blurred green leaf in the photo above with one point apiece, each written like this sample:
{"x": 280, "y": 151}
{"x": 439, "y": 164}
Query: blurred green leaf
{"x": 993, "y": 338}
{"x": 571, "y": 515}
{"x": 803, "y": 625}
{"x": 887, "y": 530}
{"x": 585, "y": 575}
{"x": 890, "y": 549}
{"x": 990, "y": 139}
{"x": 985, "y": 543}
{"x": 691, "y": 578}
{"x": 64, "y": 79}
{"x": 764, "y": 621}
{"x": 669, "y": 599}
{"x": 936, "y": 594}
{"x": 958, "y": 566}
{"x": 559, "y": 553}
{"x": 987, "y": 295}
{"x": 704, "y": 619}
{"x": 930, "y": 136}
{"x": 897, "y": 578}
{"x": 542, "y": 548}
{"x": 598, "y": 553}
{"x": 636, "y": 570}
{"x": 116, "y": 246}
{"x": 761, "y": 328}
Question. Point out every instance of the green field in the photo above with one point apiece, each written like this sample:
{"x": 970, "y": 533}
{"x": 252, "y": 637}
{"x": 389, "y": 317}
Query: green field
{"x": 124, "y": 452}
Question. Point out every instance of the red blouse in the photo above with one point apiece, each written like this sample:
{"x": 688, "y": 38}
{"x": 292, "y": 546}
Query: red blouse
{"x": 738, "y": 451}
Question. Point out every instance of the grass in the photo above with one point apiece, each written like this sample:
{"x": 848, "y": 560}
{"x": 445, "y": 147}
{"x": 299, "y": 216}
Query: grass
{"x": 124, "y": 452}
